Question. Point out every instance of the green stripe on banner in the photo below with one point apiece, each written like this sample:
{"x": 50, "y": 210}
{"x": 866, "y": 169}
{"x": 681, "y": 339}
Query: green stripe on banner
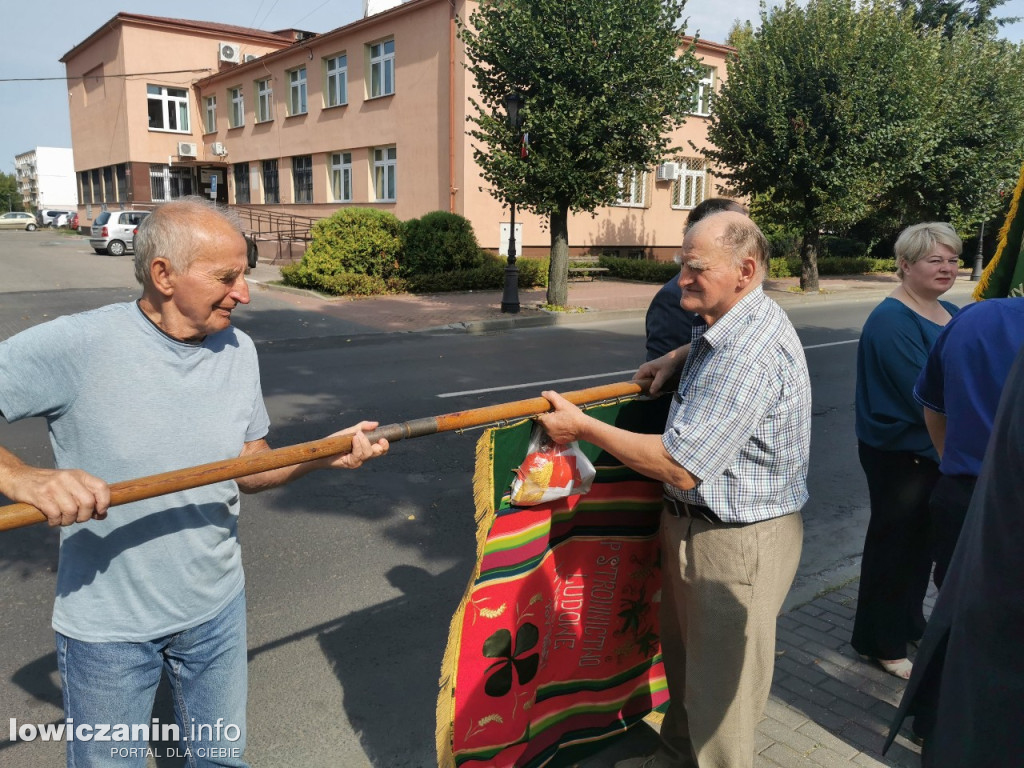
{"x": 554, "y": 647}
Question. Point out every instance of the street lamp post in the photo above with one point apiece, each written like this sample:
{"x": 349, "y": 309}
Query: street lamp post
{"x": 978, "y": 257}
{"x": 510, "y": 296}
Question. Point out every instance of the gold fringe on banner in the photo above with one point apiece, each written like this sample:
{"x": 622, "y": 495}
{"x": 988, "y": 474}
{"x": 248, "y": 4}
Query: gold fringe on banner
{"x": 1004, "y": 232}
{"x": 483, "y": 499}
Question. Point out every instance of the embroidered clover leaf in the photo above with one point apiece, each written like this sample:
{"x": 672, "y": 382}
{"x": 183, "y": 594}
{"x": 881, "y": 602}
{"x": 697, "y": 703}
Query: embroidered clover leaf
{"x": 499, "y": 646}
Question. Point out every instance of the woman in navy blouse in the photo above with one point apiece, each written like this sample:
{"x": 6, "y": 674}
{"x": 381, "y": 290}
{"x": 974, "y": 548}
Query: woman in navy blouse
{"x": 897, "y": 455}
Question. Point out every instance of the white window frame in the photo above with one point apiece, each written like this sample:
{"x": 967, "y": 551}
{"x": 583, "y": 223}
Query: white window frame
{"x": 297, "y": 102}
{"x": 237, "y": 116}
{"x": 382, "y": 68}
{"x": 211, "y": 114}
{"x": 385, "y": 174}
{"x": 705, "y": 92}
{"x": 176, "y": 105}
{"x": 635, "y": 195}
{"x": 264, "y": 100}
{"x": 341, "y": 177}
{"x": 691, "y": 185}
{"x": 336, "y": 68}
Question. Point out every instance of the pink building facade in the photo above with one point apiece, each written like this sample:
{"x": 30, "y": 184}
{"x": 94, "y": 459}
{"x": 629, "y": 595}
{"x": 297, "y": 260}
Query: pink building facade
{"x": 373, "y": 113}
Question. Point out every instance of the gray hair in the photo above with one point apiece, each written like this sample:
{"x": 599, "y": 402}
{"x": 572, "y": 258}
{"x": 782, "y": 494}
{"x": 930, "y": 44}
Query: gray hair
{"x": 916, "y": 241}
{"x": 171, "y": 232}
{"x": 744, "y": 239}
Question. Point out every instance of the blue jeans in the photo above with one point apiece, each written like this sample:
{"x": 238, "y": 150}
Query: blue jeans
{"x": 112, "y": 684}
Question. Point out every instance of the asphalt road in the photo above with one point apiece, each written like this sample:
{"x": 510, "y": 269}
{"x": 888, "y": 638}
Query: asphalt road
{"x": 352, "y": 576}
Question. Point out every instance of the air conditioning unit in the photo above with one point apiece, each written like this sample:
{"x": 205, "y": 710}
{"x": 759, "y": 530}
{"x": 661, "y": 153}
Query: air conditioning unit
{"x": 187, "y": 149}
{"x": 218, "y": 149}
{"x": 667, "y": 172}
{"x": 250, "y": 57}
{"x": 228, "y": 52}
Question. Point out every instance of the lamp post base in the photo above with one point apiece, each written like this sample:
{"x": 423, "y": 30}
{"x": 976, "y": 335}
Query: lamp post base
{"x": 510, "y": 296}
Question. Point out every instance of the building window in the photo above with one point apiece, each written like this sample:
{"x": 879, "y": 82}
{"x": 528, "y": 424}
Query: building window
{"x": 211, "y": 114}
{"x": 271, "y": 187}
{"x": 385, "y": 165}
{"x": 97, "y": 185}
{"x": 241, "y": 182}
{"x": 341, "y": 177}
{"x": 109, "y": 193}
{"x": 167, "y": 183}
{"x": 382, "y": 68}
{"x": 264, "y": 100}
{"x": 237, "y": 107}
{"x": 168, "y": 108}
{"x": 632, "y": 188}
{"x": 337, "y": 81}
{"x": 83, "y": 180}
{"x": 297, "y": 91}
{"x": 121, "y": 170}
{"x": 690, "y": 187}
{"x": 302, "y": 178}
{"x": 704, "y": 92}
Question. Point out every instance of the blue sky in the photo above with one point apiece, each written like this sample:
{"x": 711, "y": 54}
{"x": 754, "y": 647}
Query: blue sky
{"x": 36, "y": 113}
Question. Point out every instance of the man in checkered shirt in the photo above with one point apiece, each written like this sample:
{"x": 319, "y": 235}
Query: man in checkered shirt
{"x": 734, "y": 462}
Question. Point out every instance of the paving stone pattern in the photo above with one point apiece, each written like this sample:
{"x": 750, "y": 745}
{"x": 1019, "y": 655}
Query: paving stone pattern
{"x": 829, "y": 707}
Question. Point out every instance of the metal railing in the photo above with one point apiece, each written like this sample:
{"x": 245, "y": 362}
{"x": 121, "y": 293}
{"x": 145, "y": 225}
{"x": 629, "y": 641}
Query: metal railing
{"x": 284, "y": 229}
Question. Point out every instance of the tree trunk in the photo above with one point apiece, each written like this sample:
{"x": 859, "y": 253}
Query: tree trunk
{"x": 809, "y": 261}
{"x": 558, "y": 271}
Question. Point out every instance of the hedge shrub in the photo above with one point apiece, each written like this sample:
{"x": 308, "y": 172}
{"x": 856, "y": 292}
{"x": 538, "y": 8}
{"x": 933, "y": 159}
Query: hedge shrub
{"x": 643, "y": 270}
{"x": 352, "y": 241}
{"x": 439, "y": 242}
{"x": 489, "y": 276}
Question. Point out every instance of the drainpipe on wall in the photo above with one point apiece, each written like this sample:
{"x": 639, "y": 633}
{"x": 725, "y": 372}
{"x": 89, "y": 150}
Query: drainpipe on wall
{"x": 452, "y": 189}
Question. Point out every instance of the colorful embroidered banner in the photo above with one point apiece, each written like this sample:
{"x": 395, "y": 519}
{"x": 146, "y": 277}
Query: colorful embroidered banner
{"x": 1004, "y": 275}
{"x": 554, "y": 647}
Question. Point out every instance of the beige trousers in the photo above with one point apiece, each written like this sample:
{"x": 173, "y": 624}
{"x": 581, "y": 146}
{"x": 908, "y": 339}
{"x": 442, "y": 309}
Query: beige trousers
{"x": 722, "y": 589}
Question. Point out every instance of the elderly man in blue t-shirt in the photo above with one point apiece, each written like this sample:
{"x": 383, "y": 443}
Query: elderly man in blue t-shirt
{"x": 733, "y": 459}
{"x": 135, "y": 389}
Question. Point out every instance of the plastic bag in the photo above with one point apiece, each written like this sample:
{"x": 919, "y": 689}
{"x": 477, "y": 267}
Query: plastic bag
{"x": 550, "y": 471}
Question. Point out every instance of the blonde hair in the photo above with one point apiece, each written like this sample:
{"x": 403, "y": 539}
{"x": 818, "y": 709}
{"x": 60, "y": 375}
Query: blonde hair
{"x": 916, "y": 241}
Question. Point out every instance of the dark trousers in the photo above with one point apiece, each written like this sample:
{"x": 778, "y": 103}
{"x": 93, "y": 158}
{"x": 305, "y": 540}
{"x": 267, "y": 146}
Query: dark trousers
{"x": 948, "y": 507}
{"x": 897, "y": 561}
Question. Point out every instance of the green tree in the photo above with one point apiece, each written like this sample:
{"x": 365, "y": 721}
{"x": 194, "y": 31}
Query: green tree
{"x": 604, "y": 82}
{"x": 979, "y": 146}
{"x": 741, "y": 33}
{"x": 822, "y": 115}
{"x": 950, "y": 15}
{"x": 10, "y": 197}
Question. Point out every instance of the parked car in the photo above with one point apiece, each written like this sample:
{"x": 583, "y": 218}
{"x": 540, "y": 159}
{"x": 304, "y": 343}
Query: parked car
{"x": 49, "y": 217}
{"x": 73, "y": 223}
{"x": 113, "y": 232}
{"x": 18, "y": 220}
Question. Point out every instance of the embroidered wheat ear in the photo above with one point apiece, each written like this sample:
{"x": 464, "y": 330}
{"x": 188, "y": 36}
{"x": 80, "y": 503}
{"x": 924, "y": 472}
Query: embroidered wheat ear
{"x": 493, "y": 613}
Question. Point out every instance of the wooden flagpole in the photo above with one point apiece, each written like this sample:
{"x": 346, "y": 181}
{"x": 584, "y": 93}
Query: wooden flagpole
{"x": 20, "y": 515}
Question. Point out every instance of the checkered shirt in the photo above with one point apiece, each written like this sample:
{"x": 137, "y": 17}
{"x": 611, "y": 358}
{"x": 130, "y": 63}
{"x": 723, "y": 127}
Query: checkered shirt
{"x": 740, "y": 422}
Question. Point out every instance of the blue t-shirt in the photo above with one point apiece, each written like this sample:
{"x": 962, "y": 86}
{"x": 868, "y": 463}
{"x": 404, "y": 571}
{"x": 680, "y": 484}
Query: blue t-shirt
{"x": 123, "y": 400}
{"x": 668, "y": 325}
{"x": 893, "y": 348}
{"x": 965, "y": 374}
